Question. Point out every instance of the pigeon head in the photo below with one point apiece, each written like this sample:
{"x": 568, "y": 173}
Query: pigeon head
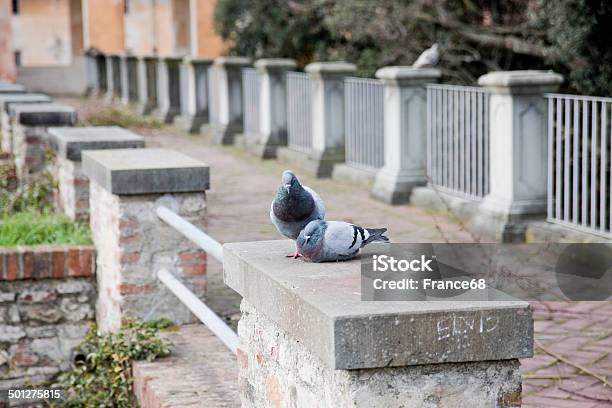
{"x": 311, "y": 237}
{"x": 289, "y": 181}
{"x": 292, "y": 201}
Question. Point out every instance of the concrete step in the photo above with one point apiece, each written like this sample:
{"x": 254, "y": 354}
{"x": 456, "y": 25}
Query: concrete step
{"x": 200, "y": 372}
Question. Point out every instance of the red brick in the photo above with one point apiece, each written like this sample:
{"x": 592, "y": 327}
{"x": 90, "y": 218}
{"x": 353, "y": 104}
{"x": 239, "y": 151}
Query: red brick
{"x": 11, "y": 266}
{"x": 86, "y": 261}
{"x": 74, "y": 262}
{"x": 192, "y": 257}
{"x": 243, "y": 358}
{"x": 79, "y": 182}
{"x": 58, "y": 261}
{"x": 27, "y": 263}
{"x": 2, "y": 267}
{"x": 128, "y": 222}
{"x": 133, "y": 239}
{"x": 273, "y": 391}
{"x": 131, "y": 289}
{"x": 42, "y": 262}
{"x": 129, "y": 257}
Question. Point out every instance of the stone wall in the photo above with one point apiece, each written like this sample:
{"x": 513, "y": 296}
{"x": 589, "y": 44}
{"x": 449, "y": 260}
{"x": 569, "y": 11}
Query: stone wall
{"x": 133, "y": 244}
{"x": 47, "y": 296}
{"x": 277, "y": 371}
{"x": 29, "y": 148}
{"x": 73, "y": 188}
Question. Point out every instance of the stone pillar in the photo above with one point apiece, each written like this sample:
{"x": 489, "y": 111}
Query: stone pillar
{"x": 405, "y": 124}
{"x": 194, "y": 98}
{"x": 68, "y": 143}
{"x": 132, "y": 79}
{"x": 102, "y": 75}
{"x": 518, "y": 118}
{"x": 141, "y": 75}
{"x": 327, "y": 114}
{"x": 6, "y": 100}
{"x": 29, "y": 123}
{"x": 272, "y": 105}
{"x": 91, "y": 65}
{"x": 124, "y": 79}
{"x": 168, "y": 89}
{"x": 152, "y": 84}
{"x": 132, "y": 243}
{"x": 308, "y": 340}
{"x": 228, "y": 98}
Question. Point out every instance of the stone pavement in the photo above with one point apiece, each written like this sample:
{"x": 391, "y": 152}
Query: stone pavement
{"x": 569, "y": 335}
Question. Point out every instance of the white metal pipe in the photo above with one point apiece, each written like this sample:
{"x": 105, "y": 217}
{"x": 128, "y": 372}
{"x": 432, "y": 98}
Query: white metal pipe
{"x": 213, "y": 322}
{"x": 199, "y": 237}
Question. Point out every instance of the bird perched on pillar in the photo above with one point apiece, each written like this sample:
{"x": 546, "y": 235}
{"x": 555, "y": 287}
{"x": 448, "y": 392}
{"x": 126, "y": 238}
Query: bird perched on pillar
{"x": 325, "y": 241}
{"x": 294, "y": 207}
{"x": 428, "y": 58}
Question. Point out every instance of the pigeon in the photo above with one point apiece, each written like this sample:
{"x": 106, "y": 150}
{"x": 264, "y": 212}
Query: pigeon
{"x": 324, "y": 241}
{"x": 294, "y": 207}
{"x": 428, "y": 58}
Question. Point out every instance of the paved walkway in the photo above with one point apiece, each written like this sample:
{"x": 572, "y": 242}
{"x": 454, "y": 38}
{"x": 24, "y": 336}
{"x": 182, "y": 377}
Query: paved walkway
{"x": 572, "y": 357}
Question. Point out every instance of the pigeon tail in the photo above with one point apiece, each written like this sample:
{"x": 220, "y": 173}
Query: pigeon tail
{"x": 376, "y": 235}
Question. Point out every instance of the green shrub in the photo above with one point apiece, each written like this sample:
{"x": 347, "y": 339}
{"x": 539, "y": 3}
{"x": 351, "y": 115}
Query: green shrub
{"x": 30, "y": 228}
{"x": 36, "y": 195}
{"x": 104, "y": 377}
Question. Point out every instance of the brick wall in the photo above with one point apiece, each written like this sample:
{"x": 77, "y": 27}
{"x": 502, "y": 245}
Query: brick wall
{"x": 29, "y": 144}
{"x": 73, "y": 189}
{"x": 47, "y": 296}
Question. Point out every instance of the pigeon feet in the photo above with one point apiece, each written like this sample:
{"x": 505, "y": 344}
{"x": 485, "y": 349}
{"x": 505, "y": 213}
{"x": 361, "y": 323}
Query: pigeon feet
{"x": 294, "y": 255}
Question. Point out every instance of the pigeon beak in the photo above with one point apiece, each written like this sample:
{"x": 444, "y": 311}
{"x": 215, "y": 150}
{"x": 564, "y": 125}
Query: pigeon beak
{"x": 288, "y": 187}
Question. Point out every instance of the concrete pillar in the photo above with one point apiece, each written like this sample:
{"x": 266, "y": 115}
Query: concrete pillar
{"x": 6, "y": 100}
{"x": 405, "y": 127}
{"x": 133, "y": 79}
{"x": 102, "y": 75}
{"x": 68, "y": 144}
{"x": 318, "y": 344}
{"x": 518, "y": 118}
{"x": 124, "y": 79}
{"x": 132, "y": 243}
{"x": 227, "y": 97}
{"x": 168, "y": 89}
{"x": 272, "y": 105}
{"x": 327, "y": 114}
{"x": 29, "y": 123}
{"x": 194, "y": 96}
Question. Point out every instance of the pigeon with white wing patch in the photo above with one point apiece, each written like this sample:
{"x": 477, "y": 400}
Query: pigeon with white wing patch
{"x": 294, "y": 207}
{"x": 428, "y": 58}
{"x": 325, "y": 241}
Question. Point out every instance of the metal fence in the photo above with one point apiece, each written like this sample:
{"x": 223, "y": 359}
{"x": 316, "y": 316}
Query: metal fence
{"x": 299, "y": 127}
{"x": 364, "y": 116}
{"x": 213, "y": 96}
{"x": 580, "y": 162}
{"x": 458, "y": 140}
{"x": 250, "y": 85}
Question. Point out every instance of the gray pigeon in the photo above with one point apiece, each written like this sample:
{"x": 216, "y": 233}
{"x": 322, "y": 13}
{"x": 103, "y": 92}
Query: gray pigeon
{"x": 323, "y": 241}
{"x": 428, "y": 58}
{"x": 294, "y": 207}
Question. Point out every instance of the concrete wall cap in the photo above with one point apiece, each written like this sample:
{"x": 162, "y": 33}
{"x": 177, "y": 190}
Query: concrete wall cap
{"x": 319, "y": 305}
{"x": 235, "y": 61}
{"x": 145, "y": 171}
{"x": 69, "y": 142}
{"x": 8, "y": 99}
{"x": 9, "y": 87}
{"x": 407, "y": 72}
{"x": 520, "y": 78}
{"x": 287, "y": 63}
{"x": 43, "y": 114}
{"x": 334, "y": 67}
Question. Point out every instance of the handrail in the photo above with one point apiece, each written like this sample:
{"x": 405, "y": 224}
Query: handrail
{"x": 213, "y": 322}
{"x": 196, "y": 235}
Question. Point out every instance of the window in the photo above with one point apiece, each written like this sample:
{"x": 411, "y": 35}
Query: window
{"x": 17, "y": 58}
{"x": 15, "y": 7}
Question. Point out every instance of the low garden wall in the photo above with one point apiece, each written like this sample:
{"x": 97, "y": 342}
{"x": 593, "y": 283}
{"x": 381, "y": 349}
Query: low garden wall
{"x": 47, "y": 297}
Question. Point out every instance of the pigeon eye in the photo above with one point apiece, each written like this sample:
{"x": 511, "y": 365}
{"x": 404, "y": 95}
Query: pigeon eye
{"x": 307, "y": 237}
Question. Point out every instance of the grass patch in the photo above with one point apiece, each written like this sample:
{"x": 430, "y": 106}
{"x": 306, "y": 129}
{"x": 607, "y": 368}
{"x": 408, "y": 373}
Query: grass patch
{"x": 29, "y": 228}
{"x": 113, "y": 116}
